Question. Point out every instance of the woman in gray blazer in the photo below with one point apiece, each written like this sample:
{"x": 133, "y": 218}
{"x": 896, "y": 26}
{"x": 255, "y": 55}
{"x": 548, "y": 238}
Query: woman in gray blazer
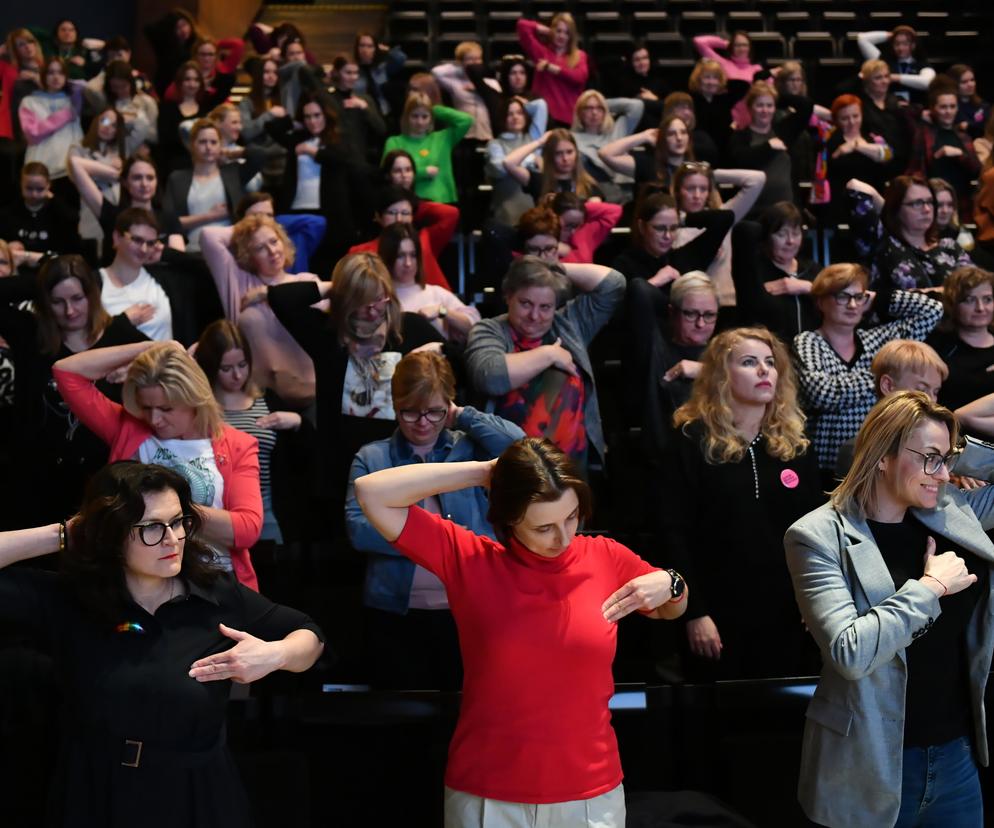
{"x": 893, "y": 579}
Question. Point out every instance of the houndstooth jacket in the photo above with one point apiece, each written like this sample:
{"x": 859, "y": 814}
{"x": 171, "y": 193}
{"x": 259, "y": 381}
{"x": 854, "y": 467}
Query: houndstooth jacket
{"x": 837, "y": 395}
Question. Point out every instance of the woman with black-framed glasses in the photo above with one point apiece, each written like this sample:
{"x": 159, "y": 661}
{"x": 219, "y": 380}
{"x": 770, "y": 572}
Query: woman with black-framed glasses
{"x": 147, "y": 637}
{"x": 837, "y": 387}
{"x": 893, "y": 579}
{"x": 898, "y": 234}
{"x": 411, "y": 639}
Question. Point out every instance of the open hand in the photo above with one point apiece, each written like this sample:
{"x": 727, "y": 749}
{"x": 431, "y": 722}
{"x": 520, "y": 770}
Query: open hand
{"x": 688, "y": 368}
{"x": 249, "y": 660}
{"x": 646, "y": 592}
{"x": 280, "y": 421}
{"x": 139, "y": 313}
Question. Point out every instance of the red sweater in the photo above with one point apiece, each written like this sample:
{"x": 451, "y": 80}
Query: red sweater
{"x": 534, "y": 725}
{"x": 235, "y": 453}
{"x": 601, "y": 218}
{"x": 560, "y": 90}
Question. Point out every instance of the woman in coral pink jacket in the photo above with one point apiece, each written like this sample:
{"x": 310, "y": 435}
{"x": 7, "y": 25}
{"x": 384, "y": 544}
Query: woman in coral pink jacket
{"x": 170, "y": 417}
{"x": 560, "y": 65}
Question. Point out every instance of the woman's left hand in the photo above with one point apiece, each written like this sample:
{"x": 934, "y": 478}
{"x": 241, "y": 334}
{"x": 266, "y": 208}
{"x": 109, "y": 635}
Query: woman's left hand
{"x": 249, "y": 660}
{"x": 787, "y": 286}
{"x": 430, "y": 312}
{"x": 647, "y": 592}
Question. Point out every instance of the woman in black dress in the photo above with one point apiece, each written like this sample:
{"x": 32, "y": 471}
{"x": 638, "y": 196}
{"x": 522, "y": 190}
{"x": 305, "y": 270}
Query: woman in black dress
{"x": 52, "y": 451}
{"x": 147, "y": 638}
{"x": 739, "y": 472}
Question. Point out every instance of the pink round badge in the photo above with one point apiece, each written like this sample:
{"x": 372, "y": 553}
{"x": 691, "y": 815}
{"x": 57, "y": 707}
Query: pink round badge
{"x": 789, "y": 478}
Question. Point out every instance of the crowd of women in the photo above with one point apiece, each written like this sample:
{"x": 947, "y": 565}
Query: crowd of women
{"x": 329, "y": 385}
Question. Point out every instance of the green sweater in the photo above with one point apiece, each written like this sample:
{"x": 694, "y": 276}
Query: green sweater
{"x": 435, "y": 150}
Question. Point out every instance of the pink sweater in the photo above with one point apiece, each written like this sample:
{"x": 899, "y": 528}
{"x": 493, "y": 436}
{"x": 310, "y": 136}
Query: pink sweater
{"x": 734, "y": 70}
{"x": 279, "y": 363}
{"x": 559, "y": 90}
{"x": 235, "y": 453}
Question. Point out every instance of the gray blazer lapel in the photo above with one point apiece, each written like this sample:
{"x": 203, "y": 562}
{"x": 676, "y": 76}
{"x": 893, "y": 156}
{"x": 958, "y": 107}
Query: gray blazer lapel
{"x": 867, "y": 562}
{"x": 950, "y": 521}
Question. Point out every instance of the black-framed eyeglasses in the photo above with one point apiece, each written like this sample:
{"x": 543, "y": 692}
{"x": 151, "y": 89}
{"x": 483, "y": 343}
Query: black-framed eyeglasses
{"x": 152, "y": 533}
{"x": 432, "y": 415}
{"x": 933, "y": 461}
{"x": 548, "y": 250}
{"x": 844, "y": 298}
{"x": 919, "y": 204}
{"x": 142, "y": 244}
{"x": 694, "y": 315}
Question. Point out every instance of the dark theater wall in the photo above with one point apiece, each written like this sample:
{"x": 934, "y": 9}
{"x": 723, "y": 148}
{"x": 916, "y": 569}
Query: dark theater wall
{"x": 101, "y": 19}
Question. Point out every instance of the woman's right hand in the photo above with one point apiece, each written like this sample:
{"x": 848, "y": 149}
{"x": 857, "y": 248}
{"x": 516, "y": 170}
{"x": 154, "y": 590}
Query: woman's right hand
{"x": 663, "y": 276}
{"x": 139, "y": 313}
{"x": 561, "y": 358}
{"x": 703, "y": 637}
{"x": 650, "y": 136}
{"x": 947, "y": 570}
{"x": 776, "y": 143}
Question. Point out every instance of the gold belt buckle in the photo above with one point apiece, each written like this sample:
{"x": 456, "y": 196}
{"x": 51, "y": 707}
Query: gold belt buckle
{"x": 138, "y": 753}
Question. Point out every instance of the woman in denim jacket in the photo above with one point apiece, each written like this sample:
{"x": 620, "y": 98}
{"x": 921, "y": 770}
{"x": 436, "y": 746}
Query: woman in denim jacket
{"x": 411, "y": 636}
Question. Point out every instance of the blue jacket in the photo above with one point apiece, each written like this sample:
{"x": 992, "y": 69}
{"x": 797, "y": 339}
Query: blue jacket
{"x": 388, "y": 573}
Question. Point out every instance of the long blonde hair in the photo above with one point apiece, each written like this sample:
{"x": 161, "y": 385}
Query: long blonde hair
{"x": 357, "y": 280}
{"x": 885, "y": 431}
{"x": 182, "y": 380}
{"x": 583, "y": 183}
{"x": 572, "y": 47}
{"x": 710, "y": 402}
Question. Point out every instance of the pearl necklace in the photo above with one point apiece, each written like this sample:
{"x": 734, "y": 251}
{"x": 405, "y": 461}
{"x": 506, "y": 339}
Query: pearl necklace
{"x": 755, "y": 470}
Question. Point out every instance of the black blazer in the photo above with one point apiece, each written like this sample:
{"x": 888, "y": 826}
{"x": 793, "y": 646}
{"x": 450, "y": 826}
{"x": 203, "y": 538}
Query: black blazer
{"x": 233, "y": 176}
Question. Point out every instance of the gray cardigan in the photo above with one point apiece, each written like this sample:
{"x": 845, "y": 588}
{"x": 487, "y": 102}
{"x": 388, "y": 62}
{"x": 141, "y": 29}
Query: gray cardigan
{"x": 851, "y": 760}
{"x": 576, "y": 324}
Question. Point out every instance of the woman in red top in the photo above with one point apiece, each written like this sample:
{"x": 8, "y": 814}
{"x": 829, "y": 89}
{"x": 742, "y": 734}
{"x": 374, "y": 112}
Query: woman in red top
{"x": 170, "y": 417}
{"x": 561, "y": 69}
{"x": 536, "y": 615}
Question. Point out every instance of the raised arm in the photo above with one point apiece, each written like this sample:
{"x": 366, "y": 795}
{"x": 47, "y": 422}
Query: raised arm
{"x": 867, "y": 42}
{"x": 24, "y": 544}
{"x": 602, "y": 290}
{"x": 627, "y": 113}
{"x": 978, "y": 416}
{"x": 707, "y": 44}
{"x": 618, "y": 154}
{"x": 230, "y": 280}
{"x": 83, "y": 172}
{"x": 514, "y": 161}
{"x": 454, "y": 122}
{"x": 385, "y": 496}
{"x": 96, "y": 363}
{"x": 750, "y": 184}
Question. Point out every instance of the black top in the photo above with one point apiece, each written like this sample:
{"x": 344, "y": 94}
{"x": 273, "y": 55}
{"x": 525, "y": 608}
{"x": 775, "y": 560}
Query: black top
{"x": 723, "y": 526}
{"x": 938, "y": 703}
{"x": 52, "y": 228}
{"x": 131, "y": 682}
{"x": 751, "y": 151}
{"x": 969, "y": 375}
{"x": 892, "y": 123}
{"x": 714, "y": 118}
{"x": 563, "y": 185}
{"x": 55, "y": 453}
{"x": 339, "y": 436}
{"x": 697, "y": 254}
{"x": 851, "y": 165}
{"x": 785, "y": 315}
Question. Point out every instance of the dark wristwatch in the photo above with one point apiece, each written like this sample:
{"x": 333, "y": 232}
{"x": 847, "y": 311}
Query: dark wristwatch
{"x": 678, "y": 586}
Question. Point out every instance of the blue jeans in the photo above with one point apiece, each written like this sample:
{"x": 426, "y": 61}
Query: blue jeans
{"x": 941, "y": 788}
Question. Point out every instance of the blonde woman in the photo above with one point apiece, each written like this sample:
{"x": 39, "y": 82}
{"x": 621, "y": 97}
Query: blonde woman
{"x": 245, "y": 260}
{"x": 893, "y": 579}
{"x": 170, "y": 418}
{"x": 597, "y": 121}
{"x": 562, "y": 168}
{"x": 561, "y": 70}
{"x": 739, "y": 471}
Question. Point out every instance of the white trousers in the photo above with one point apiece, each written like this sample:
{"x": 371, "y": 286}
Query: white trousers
{"x": 463, "y": 810}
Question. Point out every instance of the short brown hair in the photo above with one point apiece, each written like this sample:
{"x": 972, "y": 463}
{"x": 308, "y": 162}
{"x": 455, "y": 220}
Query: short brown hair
{"x": 959, "y": 283}
{"x": 837, "y": 277}
{"x": 241, "y": 239}
{"x": 419, "y": 376}
{"x": 531, "y": 271}
{"x": 532, "y": 471}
